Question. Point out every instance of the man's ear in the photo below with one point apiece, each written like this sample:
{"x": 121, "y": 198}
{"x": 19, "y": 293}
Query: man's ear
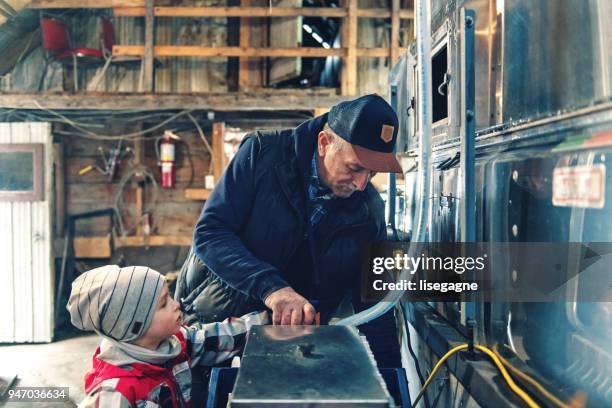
{"x": 323, "y": 142}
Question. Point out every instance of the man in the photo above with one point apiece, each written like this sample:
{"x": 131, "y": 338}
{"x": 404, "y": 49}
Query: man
{"x": 285, "y": 223}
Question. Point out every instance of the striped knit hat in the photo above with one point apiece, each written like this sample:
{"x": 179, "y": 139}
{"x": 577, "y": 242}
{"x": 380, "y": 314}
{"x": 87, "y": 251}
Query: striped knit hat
{"x": 115, "y": 302}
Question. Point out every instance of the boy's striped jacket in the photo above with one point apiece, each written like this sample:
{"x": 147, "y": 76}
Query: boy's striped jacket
{"x": 140, "y": 384}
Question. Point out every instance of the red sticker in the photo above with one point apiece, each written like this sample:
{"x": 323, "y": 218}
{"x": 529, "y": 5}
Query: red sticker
{"x": 580, "y": 186}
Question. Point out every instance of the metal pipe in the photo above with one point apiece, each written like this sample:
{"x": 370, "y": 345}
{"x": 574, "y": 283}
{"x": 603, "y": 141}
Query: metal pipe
{"x": 423, "y": 25}
{"x": 392, "y": 179}
{"x": 468, "y": 129}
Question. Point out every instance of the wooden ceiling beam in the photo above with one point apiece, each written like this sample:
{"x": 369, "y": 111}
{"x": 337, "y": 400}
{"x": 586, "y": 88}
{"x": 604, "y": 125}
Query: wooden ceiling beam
{"x": 220, "y": 102}
{"x": 197, "y": 51}
{"x": 51, "y": 4}
{"x": 236, "y": 11}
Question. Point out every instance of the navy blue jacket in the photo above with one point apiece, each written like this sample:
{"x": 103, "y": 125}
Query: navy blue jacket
{"x": 253, "y": 236}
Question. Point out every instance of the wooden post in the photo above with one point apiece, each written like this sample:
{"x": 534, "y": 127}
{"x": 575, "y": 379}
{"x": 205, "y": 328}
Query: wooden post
{"x": 245, "y": 42}
{"x": 139, "y": 159}
{"x": 218, "y": 156}
{"x": 60, "y": 187}
{"x": 395, "y": 31}
{"x": 149, "y": 43}
{"x": 349, "y": 41}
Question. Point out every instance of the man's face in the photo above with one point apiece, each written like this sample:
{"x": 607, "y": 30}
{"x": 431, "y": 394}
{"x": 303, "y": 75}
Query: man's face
{"x": 339, "y": 167}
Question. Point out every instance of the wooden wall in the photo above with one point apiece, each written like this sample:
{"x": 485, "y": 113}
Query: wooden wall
{"x": 174, "y": 214}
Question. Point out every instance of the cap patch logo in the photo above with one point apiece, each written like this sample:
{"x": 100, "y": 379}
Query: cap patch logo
{"x": 136, "y": 327}
{"x": 387, "y": 133}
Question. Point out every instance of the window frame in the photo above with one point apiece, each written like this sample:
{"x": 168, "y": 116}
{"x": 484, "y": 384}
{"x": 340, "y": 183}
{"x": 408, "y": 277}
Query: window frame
{"x": 37, "y": 192}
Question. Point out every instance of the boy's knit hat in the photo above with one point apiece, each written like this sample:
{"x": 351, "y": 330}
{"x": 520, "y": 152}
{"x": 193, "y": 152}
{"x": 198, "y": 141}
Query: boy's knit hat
{"x": 115, "y": 302}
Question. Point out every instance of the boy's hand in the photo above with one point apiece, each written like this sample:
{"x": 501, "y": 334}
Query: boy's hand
{"x": 290, "y": 308}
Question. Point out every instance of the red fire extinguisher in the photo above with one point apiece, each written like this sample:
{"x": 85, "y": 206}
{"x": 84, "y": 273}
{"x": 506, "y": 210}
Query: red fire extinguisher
{"x": 167, "y": 156}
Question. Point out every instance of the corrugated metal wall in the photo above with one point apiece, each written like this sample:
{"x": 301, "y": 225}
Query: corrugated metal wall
{"x": 26, "y": 272}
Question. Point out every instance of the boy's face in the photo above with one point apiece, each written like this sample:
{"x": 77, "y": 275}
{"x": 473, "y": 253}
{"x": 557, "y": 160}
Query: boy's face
{"x": 167, "y": 318}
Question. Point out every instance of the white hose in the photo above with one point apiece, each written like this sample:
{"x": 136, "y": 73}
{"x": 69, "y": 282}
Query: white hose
{"x": 423, "y": 26}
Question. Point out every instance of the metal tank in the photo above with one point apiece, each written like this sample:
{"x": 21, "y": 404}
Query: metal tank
{"x": 537, "y": 114}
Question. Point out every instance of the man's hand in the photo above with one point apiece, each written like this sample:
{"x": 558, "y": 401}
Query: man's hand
{"x": 288, "y": 307}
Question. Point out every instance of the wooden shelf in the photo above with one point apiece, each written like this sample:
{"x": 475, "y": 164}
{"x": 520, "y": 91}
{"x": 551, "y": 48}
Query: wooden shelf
{"x": 153, "y": 240}
{"x": 100, "y": 246}
{"x": 92, "y": 247}
{"x": 199, "y": 194}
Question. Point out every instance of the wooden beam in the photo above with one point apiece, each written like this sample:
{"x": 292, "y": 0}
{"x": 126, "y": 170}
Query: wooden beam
{"x": 218, "y": 154}
{"x": 60, "y": 187}
{"x": 198, "y": 194}
{"x": 220, "y": 102}
{"x": 245, "y": 42}
{"x": 395, "y": 31}
{"x": 334, "y": 12}
{"x": 147, "y": 62}
{"x": 92, "y": 247}
{"x": 375, "y": 52}
{"x": 349, "y": 41}
{"x": 234, "y": 12}
{"x": 403, "y": 14}
{"x": 51, "y": 4}
{"x": 139, "y": 156}
{"x": 197, "y": 51}
{"x": 153, "y": 240}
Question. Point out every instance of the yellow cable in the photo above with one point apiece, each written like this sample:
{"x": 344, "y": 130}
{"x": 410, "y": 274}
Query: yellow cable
{"x": 532, "y": 381}
{"x": 522, "y": 394}
{"x": 436, "y": 367}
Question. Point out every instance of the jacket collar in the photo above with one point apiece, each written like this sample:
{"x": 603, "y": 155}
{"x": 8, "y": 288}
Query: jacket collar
{"x": 305, "y": 142}
{"x": 296, "y": 171}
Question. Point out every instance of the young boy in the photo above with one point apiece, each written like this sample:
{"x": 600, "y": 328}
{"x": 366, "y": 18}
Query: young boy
{"x": 145, "y": 355}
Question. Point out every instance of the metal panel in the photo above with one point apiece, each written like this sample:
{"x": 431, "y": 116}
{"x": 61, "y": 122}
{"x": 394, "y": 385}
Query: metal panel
{"x": 7, "y": 294}
{"x": 527, "y": 62}
{"x": 485, "y": 31}
{"x": 42, "y": 291}
{"x": 548, "y": 67}
{"x": 22, "y": 258}
{"x": 543, "y": 76}
{"x": 27, "y": 286}
{"x": 306, "y": 366}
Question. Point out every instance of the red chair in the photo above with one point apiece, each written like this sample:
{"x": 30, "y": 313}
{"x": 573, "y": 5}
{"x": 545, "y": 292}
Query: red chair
{"x": 57, "y": 46}
{"x": 108, "y": 36}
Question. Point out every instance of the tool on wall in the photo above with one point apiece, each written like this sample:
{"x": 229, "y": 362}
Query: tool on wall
{"x": 110, "y": 161}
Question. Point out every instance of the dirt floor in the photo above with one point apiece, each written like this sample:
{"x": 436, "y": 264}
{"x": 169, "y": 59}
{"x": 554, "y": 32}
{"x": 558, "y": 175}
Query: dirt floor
{"x": 62, "y": 363}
